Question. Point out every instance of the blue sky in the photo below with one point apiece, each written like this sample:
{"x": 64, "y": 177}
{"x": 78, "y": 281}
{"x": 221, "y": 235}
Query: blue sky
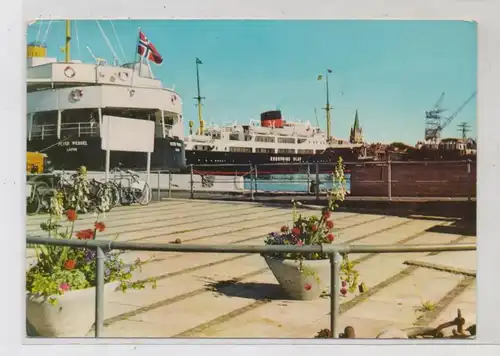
{"x": 390, "y": 71}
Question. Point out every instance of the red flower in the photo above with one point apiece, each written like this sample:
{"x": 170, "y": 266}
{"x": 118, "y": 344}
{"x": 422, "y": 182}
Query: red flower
{"x": 329, "y": 224}
{"x": 64, "y": 286}
{"x": 296, "y": 231}
{"x": 100, "y": 226}
{"x": 71, "y": 215}
{"x": 344, "y": 283}
{"x": 284, "y": 228}
{"x": 307, "y": 286}
{"x": 69, "y": 264}
{"x": 343, "y": 291}
{"x": 326, "y": 214}
{"x": 87, "y": 234}
{"x": 330, "y": 237}
{"x": 314, "y": 228}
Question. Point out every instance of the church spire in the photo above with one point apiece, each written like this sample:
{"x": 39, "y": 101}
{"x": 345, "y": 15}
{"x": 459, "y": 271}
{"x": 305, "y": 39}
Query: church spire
{"x": 356, "y": 121}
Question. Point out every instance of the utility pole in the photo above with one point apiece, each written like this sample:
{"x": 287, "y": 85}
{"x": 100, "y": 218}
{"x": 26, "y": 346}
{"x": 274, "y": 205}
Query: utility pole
{"x": 464, "y": 128}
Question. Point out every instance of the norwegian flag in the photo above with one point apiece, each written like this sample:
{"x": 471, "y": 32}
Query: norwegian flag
{"x": 147, "y": 50}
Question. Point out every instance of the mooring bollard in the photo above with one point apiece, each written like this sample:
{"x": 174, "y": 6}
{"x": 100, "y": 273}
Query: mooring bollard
{"x": 99, "y": 292}
{"x": 191, "y": 184}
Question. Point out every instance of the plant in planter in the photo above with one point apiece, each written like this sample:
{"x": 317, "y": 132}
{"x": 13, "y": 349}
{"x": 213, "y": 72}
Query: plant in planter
{"x": 60, "y": 300}
{"x": 307, "y": 276}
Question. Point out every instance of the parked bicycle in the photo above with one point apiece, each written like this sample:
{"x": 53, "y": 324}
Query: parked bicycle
{"x": 134, "y": 191}
{"x": 38, "y": 194}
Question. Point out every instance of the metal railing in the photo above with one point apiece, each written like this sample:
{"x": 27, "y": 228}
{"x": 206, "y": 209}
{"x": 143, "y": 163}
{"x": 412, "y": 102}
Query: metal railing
{"x": 251, "y": 180}
{"x": 334, "y": 251}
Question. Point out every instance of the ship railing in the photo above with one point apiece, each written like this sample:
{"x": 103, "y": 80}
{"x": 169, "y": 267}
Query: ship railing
{"x": 80, "y": 128}
{"x": 68, "y": 128}
{"x": 336, "y": 253}
{"x": 42, "y": 131}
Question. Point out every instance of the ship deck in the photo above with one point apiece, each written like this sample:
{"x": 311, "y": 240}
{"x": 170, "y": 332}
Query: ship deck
{"x": 236, "y": 295}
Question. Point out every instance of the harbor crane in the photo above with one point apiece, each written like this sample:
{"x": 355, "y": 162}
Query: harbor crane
{"x": 435, "y": 122}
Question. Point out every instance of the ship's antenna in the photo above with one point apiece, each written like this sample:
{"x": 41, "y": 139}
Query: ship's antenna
{"x": 68, "y": 39}
{"x": 106, "y": 39}
{"x": 92, "y": 54}
{"x": 199, "y": 98}
{"x": 316, "y": 115}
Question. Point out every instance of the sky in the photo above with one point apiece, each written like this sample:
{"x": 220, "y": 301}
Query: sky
{"x": 390, "y": 71}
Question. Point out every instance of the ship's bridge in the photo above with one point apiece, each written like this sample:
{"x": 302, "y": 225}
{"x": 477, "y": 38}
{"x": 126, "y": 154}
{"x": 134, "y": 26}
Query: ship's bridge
{"x": 60, "y": 93}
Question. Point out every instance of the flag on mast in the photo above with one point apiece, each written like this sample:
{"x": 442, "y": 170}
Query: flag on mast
{"x": 198, "y": 61}
{"x": 146, "y": 49}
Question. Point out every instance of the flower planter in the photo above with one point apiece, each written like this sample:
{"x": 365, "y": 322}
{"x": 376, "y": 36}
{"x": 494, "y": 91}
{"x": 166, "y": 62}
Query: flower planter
{"x": 72, "y": 316}
{"x": 308, "y": 284}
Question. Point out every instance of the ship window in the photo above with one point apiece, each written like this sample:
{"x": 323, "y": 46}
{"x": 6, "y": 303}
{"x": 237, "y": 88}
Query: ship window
{"x": 286, "y": 150}
{"x": 264, "y": 138}
{"x": 287, "y": 140}
{"x": 240, "y": 149}
{"x": 264, "y": 150}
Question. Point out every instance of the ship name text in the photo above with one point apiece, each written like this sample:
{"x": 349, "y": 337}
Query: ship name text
{"x": 285, "y": 159}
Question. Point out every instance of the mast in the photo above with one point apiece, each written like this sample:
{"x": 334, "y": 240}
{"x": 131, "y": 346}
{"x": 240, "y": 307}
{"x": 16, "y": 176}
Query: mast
{"x": 199, "y": 98}
{"x": 68, "y": 39}
{"x": 327, "y": 108}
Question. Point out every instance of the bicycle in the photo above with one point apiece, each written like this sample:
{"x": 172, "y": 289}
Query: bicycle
{"x": 100, "y": 196}
{"x": 32, "y": 199}
{"x": 136, "y": 192}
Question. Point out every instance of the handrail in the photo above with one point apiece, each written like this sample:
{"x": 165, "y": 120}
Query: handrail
{"x": 335, "y": 251}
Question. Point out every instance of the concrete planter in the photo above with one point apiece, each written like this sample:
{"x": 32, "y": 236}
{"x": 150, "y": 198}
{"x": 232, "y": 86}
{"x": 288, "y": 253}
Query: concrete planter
{"x": 306, "y": 285}
{"x": 72, "y": 316}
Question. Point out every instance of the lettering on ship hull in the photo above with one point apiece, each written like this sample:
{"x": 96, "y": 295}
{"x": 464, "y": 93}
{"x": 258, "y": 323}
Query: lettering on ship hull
{"x": 285, "y": 159}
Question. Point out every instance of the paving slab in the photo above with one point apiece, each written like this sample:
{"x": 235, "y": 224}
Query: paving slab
{"x": 236, "y": 295}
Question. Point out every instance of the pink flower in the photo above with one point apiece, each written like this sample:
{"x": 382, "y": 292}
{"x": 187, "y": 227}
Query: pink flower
{"x": 64, "y": 287}
{"x": 299, "y": 243}
{"x": 307, "y": 286}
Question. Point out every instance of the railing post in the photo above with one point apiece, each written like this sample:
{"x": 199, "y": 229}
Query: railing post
{"x": 251, "y": 182}
{"x": 335, "y": 261}
{"x": 316, "y": 188}
{"x": 191, "y": 188}
{"x": 255, "y": 179}
{"x": 79, "y": 129}
{"x": 169, "y": 184}
{"x": 389, "y": 179}
{"x": 159, "y": 190}
{"x": 308, "y": 171}
{"x": 43, "y": 132}
{"x": 99, "y": 292}
{"x": 469, "y": 185}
